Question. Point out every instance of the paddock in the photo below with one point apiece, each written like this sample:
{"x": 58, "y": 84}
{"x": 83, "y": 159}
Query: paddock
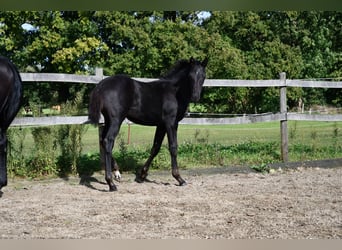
{"x": 298, "y": 201}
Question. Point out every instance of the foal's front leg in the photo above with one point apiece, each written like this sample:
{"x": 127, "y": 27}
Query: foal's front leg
{"x": 173, "y": 147}
{"x": 158, "y": 139}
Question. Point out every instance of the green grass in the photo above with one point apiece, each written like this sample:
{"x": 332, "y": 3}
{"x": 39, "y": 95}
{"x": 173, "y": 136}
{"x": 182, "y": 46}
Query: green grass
{"x": 302, "y": 132}
{"x": 223, "y": 134}
{"x": 142, "y": 136}
{"x": 254, "y": 145}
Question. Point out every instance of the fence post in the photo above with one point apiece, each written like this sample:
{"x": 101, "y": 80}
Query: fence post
{"x": 283, "y": 120}
{"x": 99, "y": 72}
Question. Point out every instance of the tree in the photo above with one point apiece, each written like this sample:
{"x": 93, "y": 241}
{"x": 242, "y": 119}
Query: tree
{"x": 239, "y": 45}
{"x": 65, "y": 42}
{"x": 145, "y": 44}
{"x": 317, "y": 35}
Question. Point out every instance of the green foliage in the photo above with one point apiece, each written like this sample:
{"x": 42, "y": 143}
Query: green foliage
{"x": 239, "y": 45}
{"x": 263, "y": 168}
{"x": 42, "y": 161}
{"x": 15, "y": 156}
{"x": 129, "y": 159}
{"x": 69, "y": 138}
{"x": 56, "y": 150}
{"x": 88, "y": 164}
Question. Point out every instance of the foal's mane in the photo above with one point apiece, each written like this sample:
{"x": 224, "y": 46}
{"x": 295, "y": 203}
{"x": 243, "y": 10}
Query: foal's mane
{"x": 179, "y": 66}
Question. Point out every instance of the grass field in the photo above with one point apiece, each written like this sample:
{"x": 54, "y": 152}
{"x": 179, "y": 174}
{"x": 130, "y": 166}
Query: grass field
{"x": 300, "y": 132}
{"x": 321, "y": 133}
{"x": 205, "y": 145}
{"x": 228, "y": 135}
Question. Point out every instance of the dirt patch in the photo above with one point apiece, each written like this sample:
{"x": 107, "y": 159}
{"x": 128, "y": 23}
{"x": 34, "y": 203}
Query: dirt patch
{"x": 230, "y": 203}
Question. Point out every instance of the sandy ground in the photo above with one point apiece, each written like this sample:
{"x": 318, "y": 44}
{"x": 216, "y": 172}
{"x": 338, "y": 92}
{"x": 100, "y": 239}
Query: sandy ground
{"x": 229, "y": 203}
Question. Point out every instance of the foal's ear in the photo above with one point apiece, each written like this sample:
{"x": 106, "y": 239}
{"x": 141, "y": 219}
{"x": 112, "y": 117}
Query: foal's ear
{"x": 205, "y": 62}
{"x": 192, "y": 60}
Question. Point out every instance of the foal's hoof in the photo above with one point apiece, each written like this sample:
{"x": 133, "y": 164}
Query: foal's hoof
{"x": 182, "y": 184}
{"x": 113, "y": 188}
{"x": 139, "y": 179}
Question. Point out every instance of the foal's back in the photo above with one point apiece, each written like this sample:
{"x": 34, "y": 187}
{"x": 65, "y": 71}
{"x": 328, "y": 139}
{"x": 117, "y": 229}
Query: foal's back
{"x": 140, "y": 102}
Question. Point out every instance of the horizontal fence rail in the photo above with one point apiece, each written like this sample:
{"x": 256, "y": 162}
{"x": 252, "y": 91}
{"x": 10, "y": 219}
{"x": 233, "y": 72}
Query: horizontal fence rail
{"x": 282, "y": 83}
{"x": 94, "y": 79}
{"x": 49, "y": 120}
{"x": 308, "y": 117}
{"x": 69, "y": 120}
{"x": 51, "y": 77}
{"x": 313, "y": 84}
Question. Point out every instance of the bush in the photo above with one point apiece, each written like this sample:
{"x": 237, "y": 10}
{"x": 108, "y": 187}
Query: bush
{"x": 56, "y": 149}
{"x": 88, "y": 164}
{"x": 43, "y": 157}
{"x": 15, "y": 157}
{"x": 69, "y": 138}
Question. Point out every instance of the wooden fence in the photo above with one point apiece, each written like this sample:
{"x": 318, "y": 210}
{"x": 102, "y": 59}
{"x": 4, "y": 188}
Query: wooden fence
{"x": 282, "y": 116}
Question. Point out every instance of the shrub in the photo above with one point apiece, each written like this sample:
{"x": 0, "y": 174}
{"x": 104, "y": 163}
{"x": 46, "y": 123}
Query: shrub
{"x": 69, "y": 138}
{"x": 43, "y": 157}
{"x": 15, "y": 157}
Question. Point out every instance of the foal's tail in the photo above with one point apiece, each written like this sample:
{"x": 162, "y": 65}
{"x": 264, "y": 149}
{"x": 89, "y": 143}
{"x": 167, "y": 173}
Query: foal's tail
{"x": 95, "y": 106}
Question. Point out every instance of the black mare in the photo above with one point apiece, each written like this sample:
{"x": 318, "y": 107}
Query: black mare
{"x": 10, "y": 100}
{"x": 161, "y": 103}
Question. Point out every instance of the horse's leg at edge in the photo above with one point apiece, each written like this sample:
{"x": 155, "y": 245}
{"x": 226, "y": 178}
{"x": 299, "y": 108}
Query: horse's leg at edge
{"x": 3, "y": 158}
{"x": 115, "y": 166}
{"x": 157, "y": 141}
{"x": 108, "y": 139}
{"x": 172, "y": 138}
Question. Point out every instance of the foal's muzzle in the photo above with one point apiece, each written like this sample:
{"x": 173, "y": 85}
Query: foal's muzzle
{"x": 195, "y": 97}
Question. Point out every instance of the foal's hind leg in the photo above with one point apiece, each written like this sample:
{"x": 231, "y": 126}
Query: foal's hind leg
{"x": 115, "y": 166}
{"x": 108, "y": 139}
{"x": 158, "y": 139}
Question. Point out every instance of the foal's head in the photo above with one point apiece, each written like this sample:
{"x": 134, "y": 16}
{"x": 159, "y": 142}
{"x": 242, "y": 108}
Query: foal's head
{"x": 196, "y": 77}
{"x": 191, "y": 74}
